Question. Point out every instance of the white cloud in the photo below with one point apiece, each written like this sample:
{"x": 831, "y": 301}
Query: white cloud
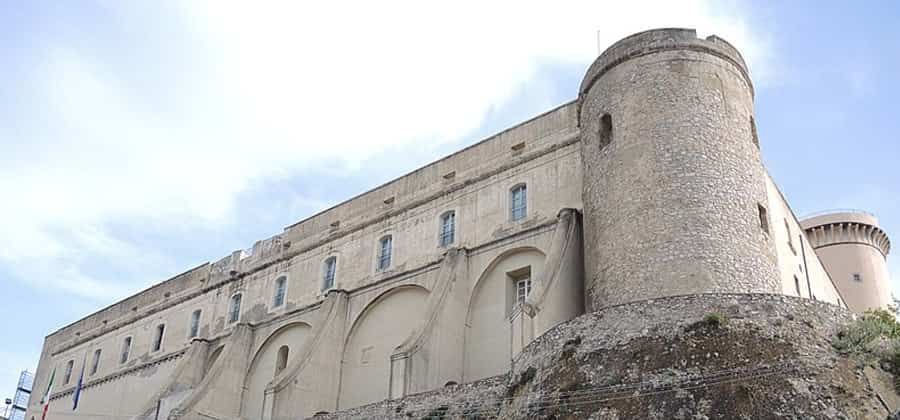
{"x": 282, "y": 87}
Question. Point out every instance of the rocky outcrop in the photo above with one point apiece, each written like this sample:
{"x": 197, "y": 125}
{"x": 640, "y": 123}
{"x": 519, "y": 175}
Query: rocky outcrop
{"x": 707, "y": 356}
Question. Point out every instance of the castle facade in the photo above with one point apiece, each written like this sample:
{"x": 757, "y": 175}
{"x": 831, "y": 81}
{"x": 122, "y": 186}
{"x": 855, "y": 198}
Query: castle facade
{"x": 648, "y": 185}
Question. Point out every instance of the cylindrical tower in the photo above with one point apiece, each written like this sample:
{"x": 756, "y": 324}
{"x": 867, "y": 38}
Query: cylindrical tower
{"x": 674, "y": 193}
{"x": 854, "y": 250}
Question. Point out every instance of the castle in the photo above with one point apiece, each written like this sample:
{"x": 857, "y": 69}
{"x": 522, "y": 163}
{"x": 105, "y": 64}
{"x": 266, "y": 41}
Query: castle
{"x": 647, "y": 186}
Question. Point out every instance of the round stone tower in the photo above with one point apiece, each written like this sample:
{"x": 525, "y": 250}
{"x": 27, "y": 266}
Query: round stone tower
{"x": 854, "y": 251}
{"x": 674, "y": 190}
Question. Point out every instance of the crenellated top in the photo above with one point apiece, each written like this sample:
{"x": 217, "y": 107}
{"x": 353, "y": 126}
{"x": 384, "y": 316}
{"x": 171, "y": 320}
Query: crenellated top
{"x": 659, "y": 40}
{"x": 846, "y": 228}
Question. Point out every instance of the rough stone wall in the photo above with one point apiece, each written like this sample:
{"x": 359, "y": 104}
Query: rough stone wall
{"x": 672, "y": 185}
{"x": 762, "y": 356}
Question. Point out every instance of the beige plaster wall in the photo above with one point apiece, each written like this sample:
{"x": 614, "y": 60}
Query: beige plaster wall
{"x": 842, "y": 261}
{"x": 262, "y": 368}
{"x": 801, "y": 272}
{"x": 365, "y": 368}
{"x": 488, "y": 336}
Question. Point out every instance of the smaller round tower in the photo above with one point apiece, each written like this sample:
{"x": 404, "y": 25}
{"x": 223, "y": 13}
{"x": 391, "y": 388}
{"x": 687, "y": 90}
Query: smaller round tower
{"x": 854, "y": 250}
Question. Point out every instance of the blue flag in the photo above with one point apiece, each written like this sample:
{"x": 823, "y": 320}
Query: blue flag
{"x": 78, "y": 387}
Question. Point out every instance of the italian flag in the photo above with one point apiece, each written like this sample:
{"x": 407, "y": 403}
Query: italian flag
{"x": 46, "y": 400}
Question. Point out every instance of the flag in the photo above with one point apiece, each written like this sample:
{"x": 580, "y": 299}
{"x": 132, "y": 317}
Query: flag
{"x": 45, "y": 401}
{"x": 78, "y": 387}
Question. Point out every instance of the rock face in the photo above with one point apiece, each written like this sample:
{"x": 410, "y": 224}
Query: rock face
{"x": 713, "y": 356}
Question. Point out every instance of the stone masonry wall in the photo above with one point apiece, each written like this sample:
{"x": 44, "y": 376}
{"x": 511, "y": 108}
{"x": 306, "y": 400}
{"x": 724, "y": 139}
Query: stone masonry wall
{"x": 673, "y": 177}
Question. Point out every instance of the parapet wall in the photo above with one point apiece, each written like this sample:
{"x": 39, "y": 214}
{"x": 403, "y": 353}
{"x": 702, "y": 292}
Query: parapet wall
{"x": 659, "y": 40}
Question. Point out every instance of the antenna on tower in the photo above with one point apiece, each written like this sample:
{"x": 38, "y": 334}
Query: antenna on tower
{"x": 599, "y": 45}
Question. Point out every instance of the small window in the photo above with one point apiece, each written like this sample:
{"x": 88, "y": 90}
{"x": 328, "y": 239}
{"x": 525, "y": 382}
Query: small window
{"x": 69, "y": 366}
{"x": 194, "y": 329}
{"x": 126, "y": 350}
{"x": 519, "y": 287}
{"x": 753, "y": 132}
{"x": 234, "y": 310}
{"x": 763, "y": 218}
{"x": 523, "y": 289}
{"x": 797, "y": 285}
{"x": 857, "y": 277}
{"x": 328, "y": 273}
{"x": 787, "y": 228}
{"x": 96, "y": 363}
{"x": 518, "y": 203}
{"x": 384, "y": 252}
{"x": 158, "y": 339}
{"x": 604, "y": 132}
{"x": 282, "y": 359}
{"x": 280, "y": 287}
{"x": 448, "y": 228}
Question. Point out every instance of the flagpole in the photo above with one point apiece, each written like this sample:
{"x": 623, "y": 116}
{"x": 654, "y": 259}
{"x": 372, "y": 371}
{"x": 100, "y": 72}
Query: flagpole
{"x": 78, "y": 387}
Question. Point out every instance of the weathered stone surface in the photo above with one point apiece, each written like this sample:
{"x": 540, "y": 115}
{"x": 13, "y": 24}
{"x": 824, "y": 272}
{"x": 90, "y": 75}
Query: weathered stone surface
{"x": 671, "y": 201}
{"x": 761, "y": 356}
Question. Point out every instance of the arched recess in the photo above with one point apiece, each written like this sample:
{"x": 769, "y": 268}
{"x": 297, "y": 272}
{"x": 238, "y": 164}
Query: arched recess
{"x": 379, "y": 329}
{"x": 264, "y": 364}
{"x": 488, "y": 349}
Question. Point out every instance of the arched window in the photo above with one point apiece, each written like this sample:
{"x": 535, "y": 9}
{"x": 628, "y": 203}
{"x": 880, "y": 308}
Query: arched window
{"x": 234, "y": 310}
{"x": 518, "y": 199}
{"x": 384, "y": 252}
{"x": 96, "y": 363}
{"x": 69, "y": 366}
{"x": 328, "y": 273}
{"x": 195, "y": 324}
{"x": 282, "y": 359}
{"x": 157, "y": 340}
{"x": 126, "y": 350}
{"x": 448, "y": 228}
{"x": 280, "y": 287}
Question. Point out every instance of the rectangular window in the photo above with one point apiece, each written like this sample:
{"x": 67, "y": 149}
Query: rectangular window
{"x": 857, "y": 277}
{"x": 157, "y": 341}
{"x": 69, "y": 365}
{"x": 518, "y": 203}
{"x": 523, "y": 289}
{"x": 96, "y": 363}
{"x": 234, "y": 311}
{"x": 126, "y": 349}
{"x": 384, "y": 253}
{"x": 328, "y": 275}
{"x": 280, "y": 286}
{"x": 448, "y": 227}
{"x": 195, "y": 324}
{"x": 763, "y": 218}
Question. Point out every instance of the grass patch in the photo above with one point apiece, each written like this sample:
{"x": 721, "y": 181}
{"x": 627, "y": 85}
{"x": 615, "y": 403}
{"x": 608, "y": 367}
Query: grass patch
{"x": 715, "y": 320}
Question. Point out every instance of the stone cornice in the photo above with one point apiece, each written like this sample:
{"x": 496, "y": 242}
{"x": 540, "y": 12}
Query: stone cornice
{"x": 838, "y": 233}
{"x": 121, "y": 372}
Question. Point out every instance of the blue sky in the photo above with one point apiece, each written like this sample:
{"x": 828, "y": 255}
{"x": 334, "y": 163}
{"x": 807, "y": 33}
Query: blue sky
{"x": 141, "y": 139}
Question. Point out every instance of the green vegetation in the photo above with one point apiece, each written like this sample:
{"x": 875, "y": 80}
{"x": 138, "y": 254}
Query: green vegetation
{"x": 875, "y": 338}
{"x": 715, "y": 320}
